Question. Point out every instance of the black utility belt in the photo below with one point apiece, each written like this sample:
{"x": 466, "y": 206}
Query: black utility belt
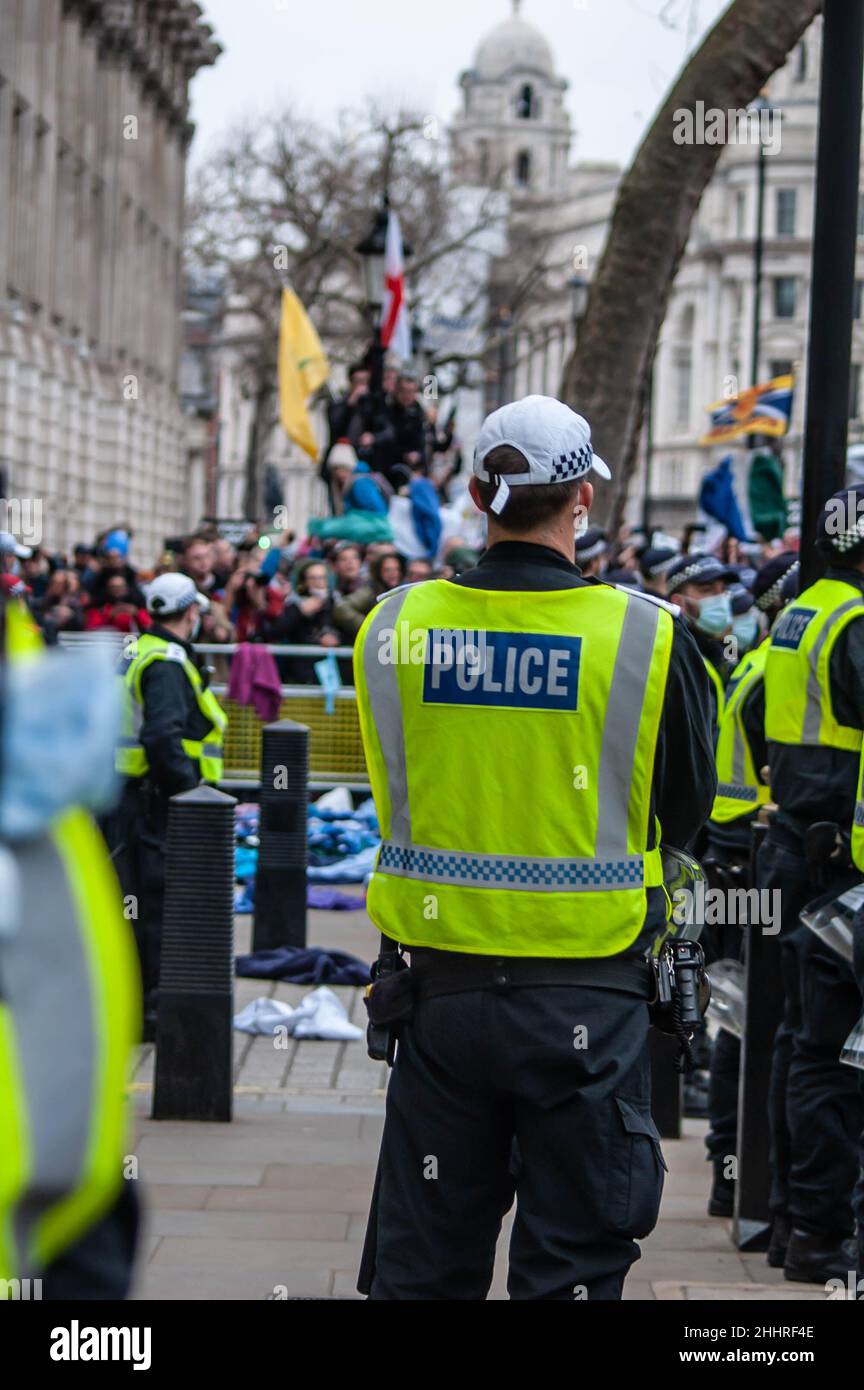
{"x": 446, "y": 972}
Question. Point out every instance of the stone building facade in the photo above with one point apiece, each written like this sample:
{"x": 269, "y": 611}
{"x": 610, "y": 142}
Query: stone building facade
{"x": 514, "y": 131}
{"x": 93, "y": 138}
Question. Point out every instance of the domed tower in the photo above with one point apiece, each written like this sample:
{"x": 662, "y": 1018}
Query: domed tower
{"x": 513, "y": 131}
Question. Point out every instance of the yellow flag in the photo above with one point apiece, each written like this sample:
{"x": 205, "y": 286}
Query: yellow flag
{"x": 303, "y": 367}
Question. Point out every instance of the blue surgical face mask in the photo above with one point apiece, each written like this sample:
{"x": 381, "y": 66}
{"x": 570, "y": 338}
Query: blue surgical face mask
{"x": 715, "y": 614}
{"x": 745, "y": 630}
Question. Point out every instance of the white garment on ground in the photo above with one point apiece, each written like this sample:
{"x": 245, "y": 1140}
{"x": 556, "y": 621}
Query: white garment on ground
{"x": 339, "y": 799}
{"x": 320, "y": 1014}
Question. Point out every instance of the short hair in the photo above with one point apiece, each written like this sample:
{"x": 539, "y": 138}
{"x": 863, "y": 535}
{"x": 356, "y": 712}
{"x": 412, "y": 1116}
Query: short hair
{"x": 189, "y": 541}
{"x": 529, "y": 505}
{"x": 357, "y": 367}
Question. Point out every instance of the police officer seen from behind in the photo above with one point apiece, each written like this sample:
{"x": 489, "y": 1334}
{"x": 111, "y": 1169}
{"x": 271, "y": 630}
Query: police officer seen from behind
{"x": 814, "y": 718}
{"x": 172, "y": 740}
{"x": 528, "y": 732}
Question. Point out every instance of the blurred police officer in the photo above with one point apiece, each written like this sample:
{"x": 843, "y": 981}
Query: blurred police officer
{"x": 172, "y": 741}
{"x": 814, "y": 717}
{"x": 699, "y": 584}
{"x": 522, "y": 765}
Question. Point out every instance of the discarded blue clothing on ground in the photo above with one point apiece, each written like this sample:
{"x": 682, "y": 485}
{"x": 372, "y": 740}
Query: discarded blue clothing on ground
{"x": 354, "y": 869}
{"x": 299, "y": 965}
{"x": 331, "y": 900}
{"x": 327, "y": 899}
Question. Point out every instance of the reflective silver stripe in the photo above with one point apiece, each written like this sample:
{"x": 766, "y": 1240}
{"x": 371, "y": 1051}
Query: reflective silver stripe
{"x": 859, "y": 813}
{"x": 128, "y": 743}
{"x": 621, "y": 727}
{"x": 382, "y": 684}
{"x": 52, "y": 1015}
{"x": 813, "y": 706}
{"x": 738, "y": 752}
{"x": 211, "y": 750}
{"x": 509, "y": 871}
{"x": 736, "y": 792}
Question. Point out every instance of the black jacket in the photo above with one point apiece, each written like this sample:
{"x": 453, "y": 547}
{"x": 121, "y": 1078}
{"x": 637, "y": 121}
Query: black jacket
{"x": 171, "y": 714}
{"x": 685, "y": 779}
{"x": 812, "y": 784}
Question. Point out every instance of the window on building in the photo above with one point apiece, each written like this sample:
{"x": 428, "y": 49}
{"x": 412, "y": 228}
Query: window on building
{"x": 857, "y": 299}
{"x": 527, "y": 103}
{"x": 483, "y": 159}
{"x": 683, "y": 383}
{"x": 781, "y": 366}
{"x": 854, "y": 391}
{"x": 785, "y": 296}
{"x": 787, "y": 200}
{"x": 523, "y": 168}
{"x": 861, "y": 214}
{"x": 801, "y": 62}
{"x": 740, "y": 213}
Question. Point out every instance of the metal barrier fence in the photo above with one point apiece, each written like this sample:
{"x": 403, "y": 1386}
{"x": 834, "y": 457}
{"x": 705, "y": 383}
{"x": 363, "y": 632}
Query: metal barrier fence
{"x": 335, "y": 753}
{"x": 335, "y": 749}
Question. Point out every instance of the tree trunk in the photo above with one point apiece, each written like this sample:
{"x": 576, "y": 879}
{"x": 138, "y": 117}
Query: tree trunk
{"x": 606, "y": 377}
{"x": 253, "y": 490}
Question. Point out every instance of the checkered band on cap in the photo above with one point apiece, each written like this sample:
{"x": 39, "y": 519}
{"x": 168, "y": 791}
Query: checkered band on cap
{"x": 572, "y": 465}
{"x": 692, "y": 571}
{"x": 773, "y": 595}
{"x": 846, "y": 540}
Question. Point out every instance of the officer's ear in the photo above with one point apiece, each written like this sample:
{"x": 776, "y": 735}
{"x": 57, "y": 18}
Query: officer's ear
{"x": 474, "y": 492}
{"x": 584, "y": 500}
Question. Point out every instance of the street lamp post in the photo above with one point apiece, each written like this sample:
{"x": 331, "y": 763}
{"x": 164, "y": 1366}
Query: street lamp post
{"x": 759, "y": 105}
{"x": 373, "y": 249}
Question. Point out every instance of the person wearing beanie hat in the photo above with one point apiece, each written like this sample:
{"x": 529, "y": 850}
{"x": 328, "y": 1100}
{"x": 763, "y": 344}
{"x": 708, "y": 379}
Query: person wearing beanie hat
{"x": 572, "y": 713}
{"x": 741, "y": 792}
{"x": 172, "y": 739}
{"x": 814, "y": 725}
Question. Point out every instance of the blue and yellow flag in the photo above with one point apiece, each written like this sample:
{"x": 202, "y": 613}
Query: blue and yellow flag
{"x": 303, "y": 367}
{"x": 765, "y": 409}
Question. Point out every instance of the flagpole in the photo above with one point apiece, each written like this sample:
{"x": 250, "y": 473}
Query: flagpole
{"x": 834, "y": 246}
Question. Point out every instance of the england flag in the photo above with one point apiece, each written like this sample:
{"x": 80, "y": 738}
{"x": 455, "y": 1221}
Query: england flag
{"x": 395, "y": 328}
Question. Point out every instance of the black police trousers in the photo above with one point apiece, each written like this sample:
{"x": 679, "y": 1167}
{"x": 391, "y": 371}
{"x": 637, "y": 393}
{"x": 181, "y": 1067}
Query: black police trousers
{"x": 542, "y": 1092}
{"x": 815, "y": 1105}
{"x": 136, "y": 833}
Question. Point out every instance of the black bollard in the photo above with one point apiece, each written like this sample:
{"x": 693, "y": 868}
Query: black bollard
{"x": 667, "y": 1084}
{"x": 763, "y": 1010}
{"x": 280, "y": 884}
{"x": 194, "y": 1028}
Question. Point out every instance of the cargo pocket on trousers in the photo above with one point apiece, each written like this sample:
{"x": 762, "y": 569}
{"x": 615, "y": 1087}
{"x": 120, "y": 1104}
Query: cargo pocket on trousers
{"x": 636, "y": 1167}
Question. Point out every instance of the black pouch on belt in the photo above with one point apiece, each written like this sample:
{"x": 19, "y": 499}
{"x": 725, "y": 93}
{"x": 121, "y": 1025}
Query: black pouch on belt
{"x": 390, "y": 999}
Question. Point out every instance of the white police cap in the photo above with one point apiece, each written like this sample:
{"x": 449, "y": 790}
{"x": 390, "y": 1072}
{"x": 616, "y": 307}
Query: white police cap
{"x": 173, "y": 593}
{"x": 555, "y": 441}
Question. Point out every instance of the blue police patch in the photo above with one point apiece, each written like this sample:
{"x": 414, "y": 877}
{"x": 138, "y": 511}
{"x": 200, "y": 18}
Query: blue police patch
{"x": 791, "y": 627}
{"x": 511, "y": 670}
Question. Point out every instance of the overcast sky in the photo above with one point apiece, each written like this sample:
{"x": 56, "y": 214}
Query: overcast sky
{"x": 618, "y": 55}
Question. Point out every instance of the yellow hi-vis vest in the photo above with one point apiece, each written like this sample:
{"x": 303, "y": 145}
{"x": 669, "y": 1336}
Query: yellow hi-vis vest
{"x": 719, "y": 688}
{"x": 739, "y": 790}
{"x": 510, "y": 740}
{"x": 798, "y": 706}
{"x": 131, "y": 756}
{"x": 69, "y": 1010}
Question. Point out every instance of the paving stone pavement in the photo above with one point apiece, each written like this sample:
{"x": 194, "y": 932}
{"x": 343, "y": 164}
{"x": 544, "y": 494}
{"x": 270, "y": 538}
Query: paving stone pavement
{"x": 274, "y": 1204}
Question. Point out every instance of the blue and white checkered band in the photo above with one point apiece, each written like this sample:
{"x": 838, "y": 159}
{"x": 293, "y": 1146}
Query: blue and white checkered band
{"x": 573, "y": 465}
{"x": 691, "y": 572}
{"x": 772, "y": 596}
{"x": 847, "y": 539}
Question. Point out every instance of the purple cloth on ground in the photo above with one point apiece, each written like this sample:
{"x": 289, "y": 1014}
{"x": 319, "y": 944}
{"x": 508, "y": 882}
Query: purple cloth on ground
{"x": 331, "y": 900}
{"x": 304, "y": 965}
{"x": 255, "y": 681}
